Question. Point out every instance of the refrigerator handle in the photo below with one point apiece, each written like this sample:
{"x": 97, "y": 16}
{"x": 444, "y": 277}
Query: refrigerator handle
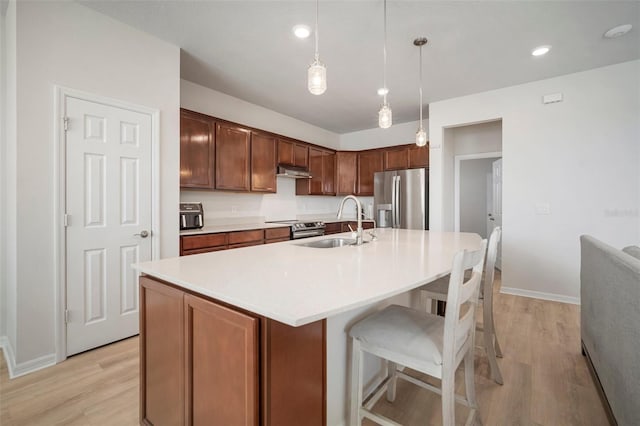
{"x": 393, "y": 201}
{"x": 396, "y": 202}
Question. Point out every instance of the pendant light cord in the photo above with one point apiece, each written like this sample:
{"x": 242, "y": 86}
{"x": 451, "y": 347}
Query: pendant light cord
{"x": 317, "y": 34}
{"x": 420, "y": 87}
{"x": 384, "y": 55}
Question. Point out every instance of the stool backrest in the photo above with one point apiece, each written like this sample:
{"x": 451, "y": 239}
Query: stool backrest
{"x": 490, "y": 267}
{"x": 460, "y": 330}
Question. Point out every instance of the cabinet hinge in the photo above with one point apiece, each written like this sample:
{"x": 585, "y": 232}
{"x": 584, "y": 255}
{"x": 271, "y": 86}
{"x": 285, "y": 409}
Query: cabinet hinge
{"x": 66, "y": 316}
{"x": 65, "y": 220}
{"x": 65, "y": 122}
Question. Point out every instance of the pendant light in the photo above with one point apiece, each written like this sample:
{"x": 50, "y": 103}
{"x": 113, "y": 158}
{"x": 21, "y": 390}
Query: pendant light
{"x": 317, "y": 73}
{"x": 385, "y": 117}
{"x": 421, "y": 135}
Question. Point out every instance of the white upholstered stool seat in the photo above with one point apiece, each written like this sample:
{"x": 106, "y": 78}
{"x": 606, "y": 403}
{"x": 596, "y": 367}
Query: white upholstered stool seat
{"x": 415, "y": 337}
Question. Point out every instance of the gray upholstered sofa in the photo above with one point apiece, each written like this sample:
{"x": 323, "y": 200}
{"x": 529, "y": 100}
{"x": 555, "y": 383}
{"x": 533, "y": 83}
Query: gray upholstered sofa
{"x": 610, "y": 324}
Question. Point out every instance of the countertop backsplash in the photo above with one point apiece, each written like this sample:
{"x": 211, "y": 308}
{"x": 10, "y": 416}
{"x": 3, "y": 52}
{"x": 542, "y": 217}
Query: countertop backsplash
{"x": 224, "y": 208}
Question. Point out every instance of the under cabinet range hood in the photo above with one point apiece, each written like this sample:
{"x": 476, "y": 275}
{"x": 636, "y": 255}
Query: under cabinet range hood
{"x": 293, "y": 172}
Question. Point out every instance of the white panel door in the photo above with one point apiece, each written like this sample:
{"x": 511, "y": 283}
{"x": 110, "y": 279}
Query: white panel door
{"x": 108, "y": 202}
{"x": 495, "y": 215}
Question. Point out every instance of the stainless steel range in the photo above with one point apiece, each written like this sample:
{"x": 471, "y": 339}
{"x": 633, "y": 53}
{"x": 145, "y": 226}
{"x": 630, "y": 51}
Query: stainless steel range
{"x": 303, "y": 229}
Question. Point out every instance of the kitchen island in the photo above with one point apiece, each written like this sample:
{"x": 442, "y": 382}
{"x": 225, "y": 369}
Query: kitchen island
{"x": 258, "y": 335}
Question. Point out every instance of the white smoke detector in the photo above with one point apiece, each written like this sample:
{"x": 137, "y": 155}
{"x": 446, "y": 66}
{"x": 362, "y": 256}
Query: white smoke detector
{"x": 618, "y": 31}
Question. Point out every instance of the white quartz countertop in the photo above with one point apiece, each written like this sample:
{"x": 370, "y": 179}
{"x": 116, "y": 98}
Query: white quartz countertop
{"x": 297, "y": 285}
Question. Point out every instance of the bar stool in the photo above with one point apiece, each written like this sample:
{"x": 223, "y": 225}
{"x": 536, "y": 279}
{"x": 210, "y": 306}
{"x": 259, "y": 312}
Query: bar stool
{"x": 424, "y": 342}
{"x": 438, "y": 291}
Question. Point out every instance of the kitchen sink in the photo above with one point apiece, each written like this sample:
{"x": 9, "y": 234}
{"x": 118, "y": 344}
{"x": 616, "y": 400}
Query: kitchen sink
{"x": 330, "y": 243}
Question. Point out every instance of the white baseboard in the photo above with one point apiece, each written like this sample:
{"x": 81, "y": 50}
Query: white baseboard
{"x": 17, "y": 370}
{"x": 540, "y": 295}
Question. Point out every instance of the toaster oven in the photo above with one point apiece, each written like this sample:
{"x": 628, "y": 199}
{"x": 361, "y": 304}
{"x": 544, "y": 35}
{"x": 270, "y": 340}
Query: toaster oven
{"x": 191, "y": 216}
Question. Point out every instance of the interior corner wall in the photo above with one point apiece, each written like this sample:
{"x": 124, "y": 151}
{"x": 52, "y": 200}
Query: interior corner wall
{"x": 398, "y": 134}
{"x": 579, "y": 157}
{"x": 8, "y": 180}
{"x": 67, "y": 44}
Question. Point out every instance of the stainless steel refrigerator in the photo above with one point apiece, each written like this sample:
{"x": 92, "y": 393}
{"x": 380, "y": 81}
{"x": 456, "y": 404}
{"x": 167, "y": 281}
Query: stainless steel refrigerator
{"x": 401, "y": 199}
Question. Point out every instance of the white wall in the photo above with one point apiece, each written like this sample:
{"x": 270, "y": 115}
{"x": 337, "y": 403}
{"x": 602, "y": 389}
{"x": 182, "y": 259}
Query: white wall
{"x": 398, "y": 134}
{"x": 64, "y": 43}
{"x": 8, "y": 181}
{"x": 473, "y": 195}
{"x": 579, "y": 156}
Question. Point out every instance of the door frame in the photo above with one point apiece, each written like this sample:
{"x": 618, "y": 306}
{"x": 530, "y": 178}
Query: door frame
{"x": 60, "y": 96}
{"x": 456, "y": 181}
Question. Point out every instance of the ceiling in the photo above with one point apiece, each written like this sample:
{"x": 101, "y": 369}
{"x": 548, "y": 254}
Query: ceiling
{"x": 246, "y": 49}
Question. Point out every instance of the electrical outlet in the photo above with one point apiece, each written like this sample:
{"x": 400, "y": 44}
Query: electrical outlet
{"x": 543, "y": 209}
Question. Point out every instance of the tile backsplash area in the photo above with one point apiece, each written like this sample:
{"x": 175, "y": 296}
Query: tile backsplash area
{"x": 221, "y": 205}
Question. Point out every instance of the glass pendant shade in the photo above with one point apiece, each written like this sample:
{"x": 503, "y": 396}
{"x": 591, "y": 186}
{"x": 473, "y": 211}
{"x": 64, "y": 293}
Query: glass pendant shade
{"x": 385, "y": 119}
{"x": 317, "y": 78}
{"x": 421, "y": 137}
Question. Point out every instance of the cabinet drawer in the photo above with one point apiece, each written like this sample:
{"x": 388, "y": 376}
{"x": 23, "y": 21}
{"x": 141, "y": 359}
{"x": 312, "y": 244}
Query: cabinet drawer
{"x": 272, "y": 233}
{"x": 332, "y": 228}
{"x": 276, "y": 240}
{"x": 203, "y": 250}
{"x": 249, "y": 244}
{"x": 246, "y": 236}
{"x": 193, "y": 242}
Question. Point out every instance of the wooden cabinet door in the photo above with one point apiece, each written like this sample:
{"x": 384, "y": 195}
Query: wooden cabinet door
{"x": 314, "y": 185}
{"x": 369, "y": 163}
{"x": 346, "y": 172}
{"x": 232, "y": 157}
{"x": 196, "y": 151}
{"x": 396, "y": 159}
{"x": 328, "y": 173}
{"x": 263, "y": 163}
{"x": 161, "y": 354}
{"x": 419, "y": 157}
{"x": 301, "y": 155}
{"x": 221, "y": 364}
{"x": 294, "y": 370}
{"x": 333, "y": 228}
{"x": 286, "y": 152}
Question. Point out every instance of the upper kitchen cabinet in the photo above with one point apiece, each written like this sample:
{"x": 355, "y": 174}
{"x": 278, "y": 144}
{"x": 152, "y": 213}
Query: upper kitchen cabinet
{"x": 346, "y": 172}
{"x": 263, "y": 163}
{"x": 406, "y": 157}
{"x": 233, "y": 148}
{"x": 369, "y": 163}
{"x": 196, "y": 150}
{"x": 292, "y": 153}
{"x": 322, "y": 170}
{"x": 396, "y": 158}
{"x": 418, "y": 156}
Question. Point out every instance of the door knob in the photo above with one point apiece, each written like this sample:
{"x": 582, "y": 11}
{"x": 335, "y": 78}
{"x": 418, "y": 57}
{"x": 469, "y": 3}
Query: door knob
{"x": 143, "y": 234}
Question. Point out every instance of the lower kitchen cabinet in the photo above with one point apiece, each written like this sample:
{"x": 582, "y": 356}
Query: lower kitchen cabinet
{"x": 203, "y": 362}
{"x": 205, "y": 243}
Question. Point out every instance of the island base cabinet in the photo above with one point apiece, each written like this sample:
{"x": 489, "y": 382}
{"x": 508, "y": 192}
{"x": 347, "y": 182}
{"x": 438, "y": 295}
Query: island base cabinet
{"x": 221, "y": 364}
{"x": 203, "y": 362}
{"x": 161, "y": 354}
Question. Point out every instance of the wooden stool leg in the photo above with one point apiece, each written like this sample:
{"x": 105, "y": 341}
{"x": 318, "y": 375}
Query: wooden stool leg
{"x": 490, "y": 340}
{"x": 393, "y": 378}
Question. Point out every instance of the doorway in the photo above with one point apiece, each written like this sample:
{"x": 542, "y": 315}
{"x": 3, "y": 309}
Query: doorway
{"x": 107, "y": 194}
{"x": 478, "y": 194}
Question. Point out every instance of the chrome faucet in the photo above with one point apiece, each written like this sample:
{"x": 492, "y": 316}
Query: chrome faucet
{"x": 358, "y": 213}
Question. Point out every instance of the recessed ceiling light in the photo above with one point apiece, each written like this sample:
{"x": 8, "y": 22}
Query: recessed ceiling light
{"x": 540, "y": 50}
{"x": 383, "y": 91}
{"x": 618, "y": 31}
{"x": 302, "y": 31}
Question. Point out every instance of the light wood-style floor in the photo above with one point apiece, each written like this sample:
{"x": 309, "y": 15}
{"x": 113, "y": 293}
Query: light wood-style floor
{"x": 547, "y": 381}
